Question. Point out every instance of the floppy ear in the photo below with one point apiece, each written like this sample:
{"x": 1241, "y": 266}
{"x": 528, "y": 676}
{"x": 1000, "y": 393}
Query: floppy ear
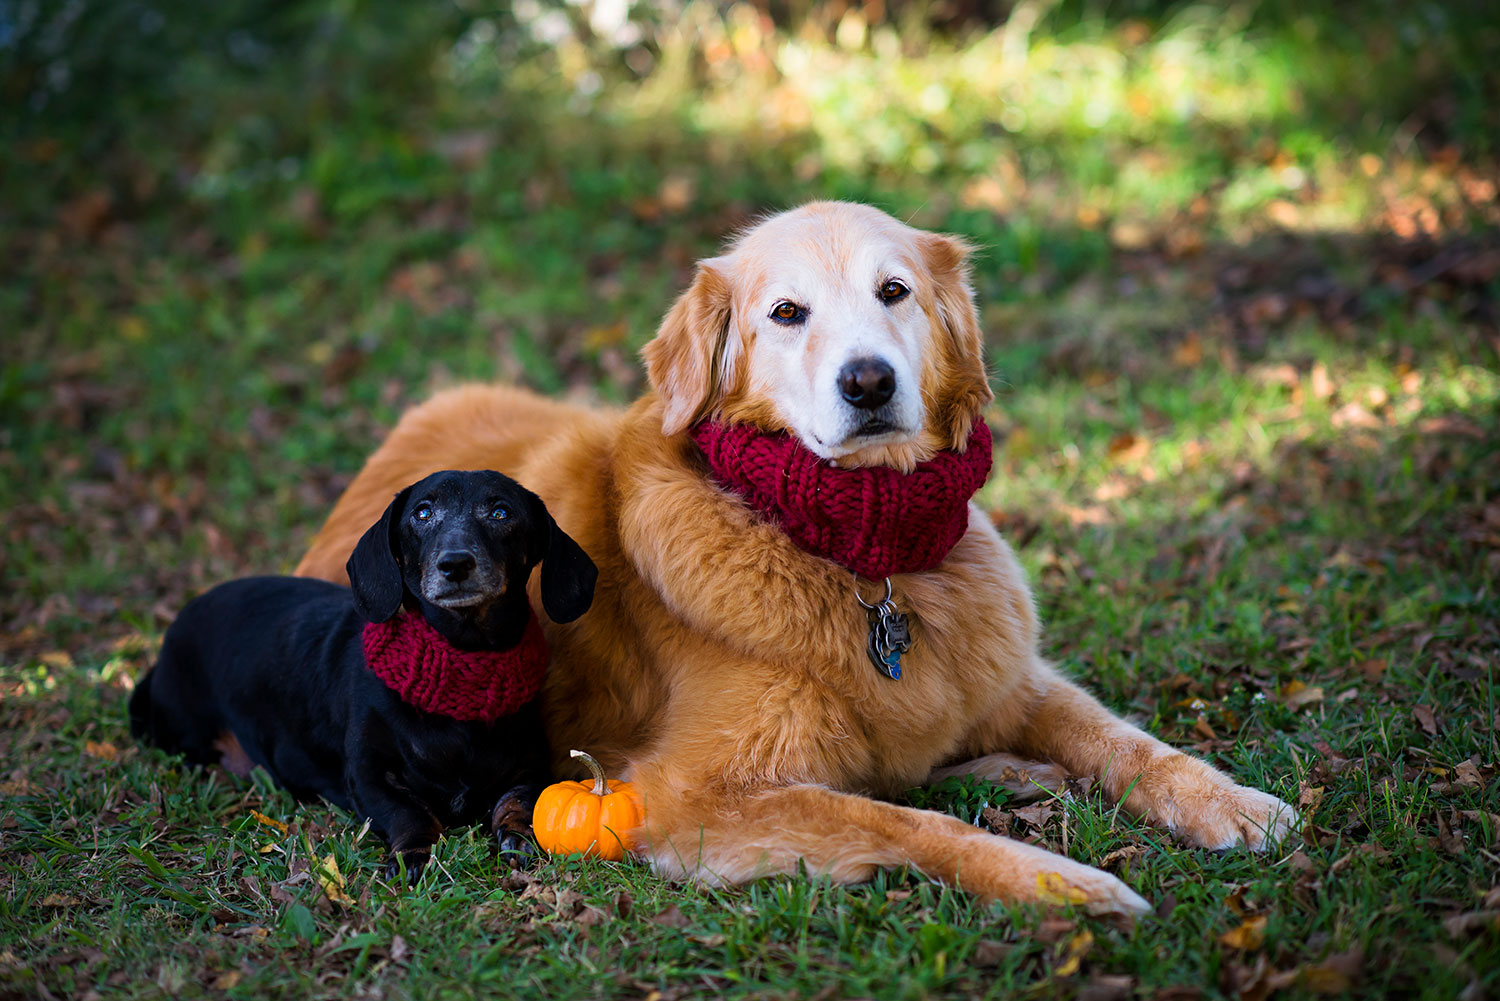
{"x": 962, "y": 388}
{"x": 568, "y": 576}
{"x": 690, "y": 359}
{"x": 374, "y": 572}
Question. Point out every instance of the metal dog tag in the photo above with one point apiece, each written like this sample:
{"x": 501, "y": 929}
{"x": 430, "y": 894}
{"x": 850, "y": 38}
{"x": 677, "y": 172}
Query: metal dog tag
{"x": 890, "y": 634}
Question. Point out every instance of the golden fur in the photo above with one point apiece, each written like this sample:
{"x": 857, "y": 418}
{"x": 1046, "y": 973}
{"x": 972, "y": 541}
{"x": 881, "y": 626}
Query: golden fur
{"x": 723, "y": 669}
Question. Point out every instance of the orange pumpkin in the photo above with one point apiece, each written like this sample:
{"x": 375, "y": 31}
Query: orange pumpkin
{"x": 594, "y": 820}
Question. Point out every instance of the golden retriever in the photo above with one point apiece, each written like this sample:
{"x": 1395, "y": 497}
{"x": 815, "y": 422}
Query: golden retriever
{"x": 724, "y": 669}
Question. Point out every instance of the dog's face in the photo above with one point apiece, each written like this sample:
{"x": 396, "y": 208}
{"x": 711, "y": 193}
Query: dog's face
{"x": 462, "y": 545}
{"x": 834, "y": 322}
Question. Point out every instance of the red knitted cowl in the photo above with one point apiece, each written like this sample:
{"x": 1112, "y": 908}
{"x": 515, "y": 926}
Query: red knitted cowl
{"x": 418, "y": 664}
{"x": 874, "y": 520}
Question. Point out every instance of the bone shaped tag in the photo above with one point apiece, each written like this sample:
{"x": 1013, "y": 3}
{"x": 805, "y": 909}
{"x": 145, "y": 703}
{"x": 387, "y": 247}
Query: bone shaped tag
{"x": 890, "y": 637}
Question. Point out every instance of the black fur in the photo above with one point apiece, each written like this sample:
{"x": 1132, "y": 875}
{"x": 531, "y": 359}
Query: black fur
{"x": 276, "y": 664}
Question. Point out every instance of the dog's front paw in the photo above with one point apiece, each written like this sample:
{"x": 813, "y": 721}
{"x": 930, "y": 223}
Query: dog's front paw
{"x": 517, "y": 850}
{"x": 413, "y": 860}
{"x": 1229, "y": 815}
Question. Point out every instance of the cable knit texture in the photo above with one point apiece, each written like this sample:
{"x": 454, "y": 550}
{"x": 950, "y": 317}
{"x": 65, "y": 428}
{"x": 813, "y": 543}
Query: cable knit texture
{"x": 418, "y": 664}
{"x": 875, "y": 520}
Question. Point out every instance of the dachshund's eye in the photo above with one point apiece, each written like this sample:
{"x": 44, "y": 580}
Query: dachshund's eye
{"x": 893, "y": 292}
{"x": 422, "y": 512}
{"x": 788, "y": 314}
{"x": 499, "y": 513}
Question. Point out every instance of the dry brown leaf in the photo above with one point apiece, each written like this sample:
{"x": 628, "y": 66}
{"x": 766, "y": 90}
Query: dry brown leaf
{"x": 1107, "y": 987}
{"x": 1322, "y": 385}
{"x": 1248, "y": 936}
{"x": 989, "y": 952}
{"x": 1296, "y": 694}
{"x": 1128, "y": 447}
{"x": 1036, "y": 815}
{"x": 1425, "y": 719}
{"x": 399, "y": 949}
{"x": 1467, "y": 775}
{"x": 227, "y": 980}
{"x": 59, "y": 900}
{"x": 1472, "y": 922}
{"x": 1336, "y": 974}
{"x": 103, "y": 750}
{"x": 672, "y": 917}
{"x": 1373, "y": 670}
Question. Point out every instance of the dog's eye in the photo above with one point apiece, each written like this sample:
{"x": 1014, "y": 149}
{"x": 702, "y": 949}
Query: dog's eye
{"x": 788, "y": 313}
{"x": 893, "y": 292}
{"x": 422, "y": 512}
{"x": 499, "y": 513}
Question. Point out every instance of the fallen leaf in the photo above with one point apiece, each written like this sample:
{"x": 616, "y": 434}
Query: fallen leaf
{"x": 227, "y": 980}
{"x": 1373, "y": 670}
{"x": 1425, "y": 719}
{"x": 332, "y": 881}
{"x": 1053, "y": 889}
{"x": 399, "y": 949}
{"x": 989, "y": 952}
{"x": 1322, "y": 385}
{"x": 1078, "y": 947}
{"x": 1467, "y": 775}
{"x": 1249, "y": 936}
{"x": 261, "y": 818}
{"x": 1295, "y": 695}
{"x": 101, "y": 749}
{"x": 59, "y": 900}
{"x": 1122, "y": 855}
{"x": 1037, "y": 815}
{"x": 1336, "y": 974}
{"x": 1107, "y": 987}
{"x": 1127, "y": 447}
{"x": 672, "y": 917}
{"x": 1471, "y": 923}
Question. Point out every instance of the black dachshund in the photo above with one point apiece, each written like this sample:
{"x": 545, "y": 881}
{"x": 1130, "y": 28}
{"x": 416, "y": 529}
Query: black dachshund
{"x": 406, "y": 698}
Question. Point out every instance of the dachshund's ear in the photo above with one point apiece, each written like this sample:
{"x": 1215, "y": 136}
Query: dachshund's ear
{"x": 568, "y": 576}
{"x": 374, "y": 571}
{"x": 692, "y": 357}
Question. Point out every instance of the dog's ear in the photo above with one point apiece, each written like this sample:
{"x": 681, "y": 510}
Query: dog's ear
{"x": 962, "y": 388}
{"x": 568, "y": 576}
{"x": 691, "y": 359}
{"x": 374, "y": 571}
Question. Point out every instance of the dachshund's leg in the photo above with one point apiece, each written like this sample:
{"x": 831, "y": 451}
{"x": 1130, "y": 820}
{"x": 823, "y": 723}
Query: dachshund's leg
{"x": 409, "y": 828}
{"x": 510, "y": 824}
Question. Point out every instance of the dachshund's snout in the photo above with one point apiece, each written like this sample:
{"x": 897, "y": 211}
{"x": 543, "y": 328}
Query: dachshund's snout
{"x": 456, "y": 564}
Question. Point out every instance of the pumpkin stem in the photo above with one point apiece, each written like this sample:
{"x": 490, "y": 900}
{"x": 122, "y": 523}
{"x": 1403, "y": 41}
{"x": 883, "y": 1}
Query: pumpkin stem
{"x": 601, "y": 788}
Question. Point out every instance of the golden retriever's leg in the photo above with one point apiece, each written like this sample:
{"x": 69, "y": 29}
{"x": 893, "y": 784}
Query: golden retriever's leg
{"x": 1026, "y": 779}
{"x": 766, "y": 831}
{"x": 1191, "y": 798}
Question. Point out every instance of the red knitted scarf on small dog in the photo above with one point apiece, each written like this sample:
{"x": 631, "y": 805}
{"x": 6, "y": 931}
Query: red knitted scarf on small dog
{"x": 874, "y": 520}
{"x": 418, "y": 664}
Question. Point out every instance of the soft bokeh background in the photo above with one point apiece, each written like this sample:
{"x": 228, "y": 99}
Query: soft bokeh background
{"x": 1238, "y": 270}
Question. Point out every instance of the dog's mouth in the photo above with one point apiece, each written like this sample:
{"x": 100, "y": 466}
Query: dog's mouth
{"x": 459, "y": 600}
{"x": 875, "y": 427}
{"x": 461, "y": 596}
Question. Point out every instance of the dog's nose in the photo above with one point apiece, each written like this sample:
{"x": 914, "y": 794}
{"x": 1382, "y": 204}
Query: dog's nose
{"x": 867, "y": 383}
{"x": 456, "y": 564}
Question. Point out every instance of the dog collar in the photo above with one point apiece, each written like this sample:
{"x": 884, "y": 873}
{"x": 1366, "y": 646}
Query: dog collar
{"x": 875, "y": 521}
{"x": 428, "y": 672}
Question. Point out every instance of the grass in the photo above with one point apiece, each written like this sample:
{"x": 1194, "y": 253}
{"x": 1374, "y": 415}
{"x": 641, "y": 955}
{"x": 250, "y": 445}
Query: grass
{"x": 1248, "y": 405}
